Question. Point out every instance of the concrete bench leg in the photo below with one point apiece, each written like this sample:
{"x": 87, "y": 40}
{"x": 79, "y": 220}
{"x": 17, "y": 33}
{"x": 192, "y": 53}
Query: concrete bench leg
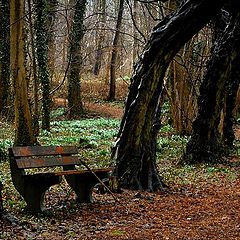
{"x": 82, "y": 186}
{"x": 34, "y": 191}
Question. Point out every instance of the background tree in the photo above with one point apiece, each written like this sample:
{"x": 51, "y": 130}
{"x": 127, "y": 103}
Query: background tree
{"x": 42, "y": 59}
{"x": 100, "y": 36}
{"x": 206, "y": 144}
{"x": 134, "y": 151}
{"x": 1, "y": 200}
{"x": 4, "y": 58}
{"x": 112, "y": 89}
{"x": 51, "y": 8}
{"x": 230, "y": 104}
{"x": 74, "y": 89}
{"x": 23, "y": 121}
{"x": 35, "y": 79}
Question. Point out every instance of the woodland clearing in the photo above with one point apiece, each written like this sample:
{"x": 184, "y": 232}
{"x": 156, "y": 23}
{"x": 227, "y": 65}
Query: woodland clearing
{"x": 202, "y": 203}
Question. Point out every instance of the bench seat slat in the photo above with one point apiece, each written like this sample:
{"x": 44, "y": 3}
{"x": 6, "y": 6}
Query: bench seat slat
{"x": 71, "y": 172}
{"x": 39, "y": 162}
{"x": 43, "y": 151}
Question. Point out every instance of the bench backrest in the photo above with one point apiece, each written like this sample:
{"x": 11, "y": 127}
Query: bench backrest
{"x": 44, "y": 156}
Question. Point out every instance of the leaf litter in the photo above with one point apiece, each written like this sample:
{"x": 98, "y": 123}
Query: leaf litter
{"x": 207, "y": 211}
{"x": 196, "y": 208}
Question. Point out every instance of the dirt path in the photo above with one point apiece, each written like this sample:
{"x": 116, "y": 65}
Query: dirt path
{"x": 103, "y": 109}
{"x": 204, "y": 212}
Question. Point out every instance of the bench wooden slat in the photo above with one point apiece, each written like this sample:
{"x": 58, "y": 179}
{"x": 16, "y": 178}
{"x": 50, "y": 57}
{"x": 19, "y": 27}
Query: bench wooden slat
{"x": 82, "y": 172}
{"x": 33, "y": 186}
{"x": 72, "y": 172}
{"x": 39, "y": 162}
{"x": 43, "y": 150}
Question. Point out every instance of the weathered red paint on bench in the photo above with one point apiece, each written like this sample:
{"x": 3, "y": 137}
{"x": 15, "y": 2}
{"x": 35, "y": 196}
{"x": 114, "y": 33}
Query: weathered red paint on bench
{"x": 33, "y": 186}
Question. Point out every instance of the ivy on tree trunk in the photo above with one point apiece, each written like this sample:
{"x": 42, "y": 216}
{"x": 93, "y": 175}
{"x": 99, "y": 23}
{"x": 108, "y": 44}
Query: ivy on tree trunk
{"x": 23, "y": 122}
{"x": 42, "y": 58}
{"x": 75, "y": 104}
{"x": 4, "y": 57}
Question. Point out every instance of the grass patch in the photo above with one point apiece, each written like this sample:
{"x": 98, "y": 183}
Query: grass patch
{"x": 95, "y": 137}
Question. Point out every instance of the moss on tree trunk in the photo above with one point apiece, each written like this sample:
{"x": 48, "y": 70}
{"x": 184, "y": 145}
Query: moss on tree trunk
{"x": 23, "y": 121}
{"x": 74, "y": 86}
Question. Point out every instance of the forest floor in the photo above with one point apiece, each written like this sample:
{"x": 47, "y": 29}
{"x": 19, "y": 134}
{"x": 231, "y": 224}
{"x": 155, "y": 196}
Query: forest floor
{"x": 206, "y": 210}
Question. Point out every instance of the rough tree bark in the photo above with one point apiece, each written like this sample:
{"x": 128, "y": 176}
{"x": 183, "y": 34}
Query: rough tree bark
{"x": 231, "y": 88}
{"x": 205, "y": 144}
{"x": 134, "y": 150}
{"x": 231, "y": 96}
{"x": 42, "y": 58}
{"x": 52, "y": 6}
{"x": 1, "y": 200}
{"x": 4, "y": 58}
{"x": 23, "y": 121}
{"x": 75, "y": 104}
{"x": 34, "y": 70}
{"x": 112, "y": 88}
{"x": 100, "y": 36}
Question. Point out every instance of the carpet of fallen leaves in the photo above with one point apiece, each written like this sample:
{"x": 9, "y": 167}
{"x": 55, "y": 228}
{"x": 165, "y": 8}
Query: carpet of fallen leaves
{"x": 205, "y": 211}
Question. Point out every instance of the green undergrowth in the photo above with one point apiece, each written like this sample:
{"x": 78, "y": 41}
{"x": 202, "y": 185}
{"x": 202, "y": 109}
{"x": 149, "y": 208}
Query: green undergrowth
{"x": 171, "y": 147}
{"x": 95, "y": 137}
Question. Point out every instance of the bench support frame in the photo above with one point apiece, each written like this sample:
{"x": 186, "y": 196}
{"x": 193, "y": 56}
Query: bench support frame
{"x": 33, "y": 187}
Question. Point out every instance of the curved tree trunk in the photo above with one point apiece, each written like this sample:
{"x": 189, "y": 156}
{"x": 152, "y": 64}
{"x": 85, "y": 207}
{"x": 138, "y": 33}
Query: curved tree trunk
{"x": 206, "y": 144}
{"x": 133, "y": 151}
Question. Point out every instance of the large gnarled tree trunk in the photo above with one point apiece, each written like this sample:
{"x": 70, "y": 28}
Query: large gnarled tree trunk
{"x": 206, "y": 144}
{"x": 134, "y": 151}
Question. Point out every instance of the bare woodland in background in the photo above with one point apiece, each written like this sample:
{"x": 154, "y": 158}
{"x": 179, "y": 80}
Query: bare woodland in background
{"x": 104, "y": 60}
{"x": 77, "y": 51}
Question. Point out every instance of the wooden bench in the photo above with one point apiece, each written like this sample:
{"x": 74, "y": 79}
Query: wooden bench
{"x": 32, "y": 187}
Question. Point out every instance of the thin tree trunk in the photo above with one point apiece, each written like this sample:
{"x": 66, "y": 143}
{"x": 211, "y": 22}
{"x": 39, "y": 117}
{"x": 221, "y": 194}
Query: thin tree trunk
{"x": 100, "y": 38}
{"x": 35, "y": 76}
{"x": 136, "y": 130}
{"x": 112, "y": 88}
{"x": 42, "y": 56}
{"x": 51, "y": 18}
